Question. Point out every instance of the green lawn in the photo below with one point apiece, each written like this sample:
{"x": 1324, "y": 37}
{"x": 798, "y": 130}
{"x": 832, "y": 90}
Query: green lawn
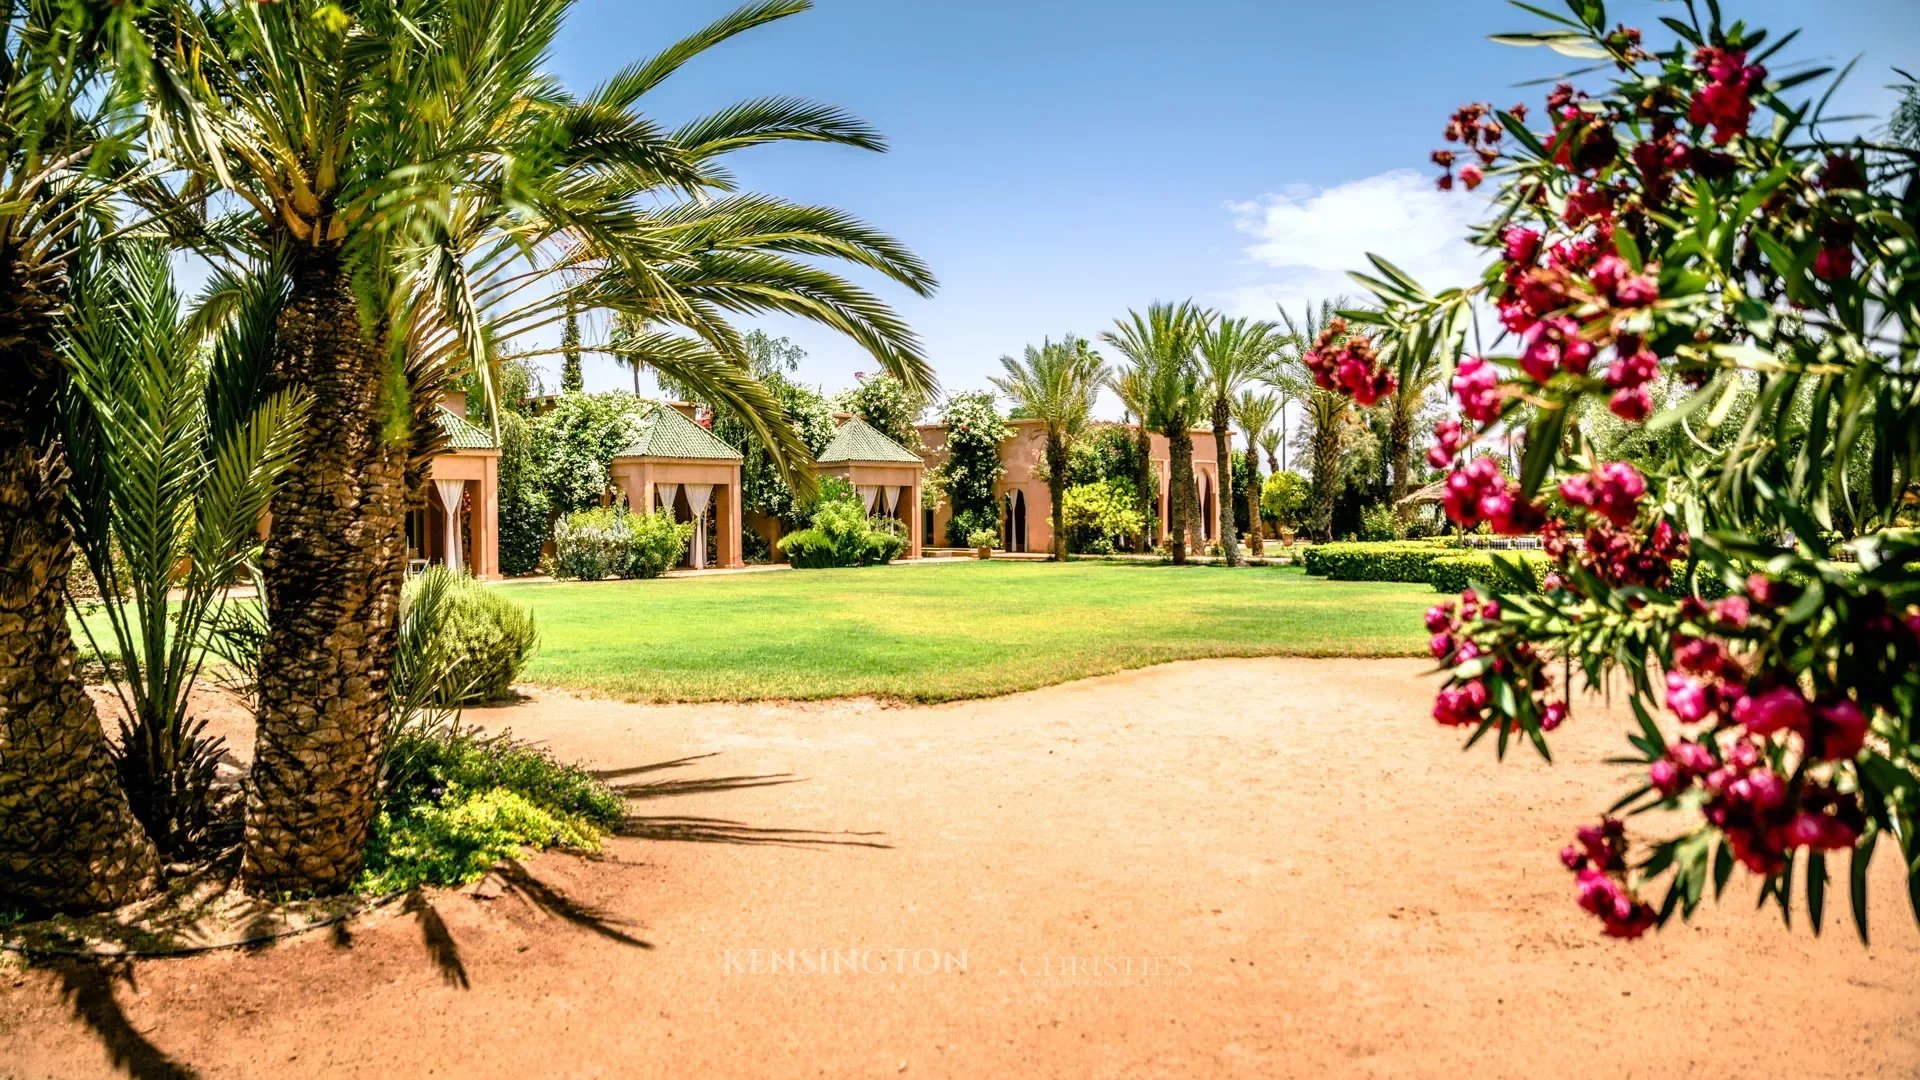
{"x": 936, "y": 633}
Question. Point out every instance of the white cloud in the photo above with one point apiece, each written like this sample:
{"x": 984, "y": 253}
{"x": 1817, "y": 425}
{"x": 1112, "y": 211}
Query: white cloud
{"x": 1305, "y": 239}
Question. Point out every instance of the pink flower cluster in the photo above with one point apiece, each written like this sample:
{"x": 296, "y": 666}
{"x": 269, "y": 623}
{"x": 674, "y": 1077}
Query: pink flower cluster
{"x": 1481, "y": 491}
{"x": 1449, "y": 438}
{"x": 1477, "y": 385}
{"x": 1613, "y": 491}
{"x": 1461, "y": 630}
{"x": 1347, "y": 363}
{"x": 1765, "y": 818}
{"x": 1726, "y": 101}
{"x": 1629, "y": 376}
{"x": 1598, "y": 859}
{"x": 1474, "y": 127}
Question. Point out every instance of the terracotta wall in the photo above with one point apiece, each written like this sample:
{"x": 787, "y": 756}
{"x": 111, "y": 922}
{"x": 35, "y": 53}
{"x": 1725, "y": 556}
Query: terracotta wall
{"x": 1022, "y": 456}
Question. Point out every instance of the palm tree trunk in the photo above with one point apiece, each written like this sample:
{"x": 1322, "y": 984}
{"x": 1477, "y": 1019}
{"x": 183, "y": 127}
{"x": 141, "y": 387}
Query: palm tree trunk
{"x": 1400, "y": 453}
{"x": 1229, "y": 539}
{"x": 1057, "y": 491}
{"x": 68, "y": 839}
{"x": 1179, "y": 491}
{"x": 334, "y": 563}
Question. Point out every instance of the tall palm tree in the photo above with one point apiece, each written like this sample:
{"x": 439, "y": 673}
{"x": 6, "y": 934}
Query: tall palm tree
{"x": 1255, "y": 413}
{"x": 67, "y": 836}
{"x": 1234, "y": 353}
{"x": 437, "y": 198}
{"x": 1328, "y": 415}
{"x": 1163, "y": 345}
{"x": 1057, "y": 384}
{"x": 1417, "y": 381}
{"x": 1131, "y": 389}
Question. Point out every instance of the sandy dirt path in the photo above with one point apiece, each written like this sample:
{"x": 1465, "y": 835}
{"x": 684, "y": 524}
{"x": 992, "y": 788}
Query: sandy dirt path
{"x": 1223, "y": 868}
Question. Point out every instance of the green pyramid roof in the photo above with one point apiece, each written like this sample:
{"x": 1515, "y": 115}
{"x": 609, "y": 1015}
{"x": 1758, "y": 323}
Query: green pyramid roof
{"x": 664, "y": 433}
{"x": 858, "y": 440}
{"x": 464, "y": 434}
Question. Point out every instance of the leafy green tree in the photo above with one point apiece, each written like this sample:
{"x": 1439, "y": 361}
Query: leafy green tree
{"x": 1056, "y": 383}
{"x": 972, "y": 469}
{"x": 572, "y": 446}
{"x": 1163, "y": 345}
{"x": 1283, "y": 498}
{"x": 888, "y": 404}
{"x": 68, "y": 839}
{"x": 173, "y": 466}
{"x": 439, "y": 198}
{"x": 1233, "y": 354}
{"x": 1103, "y": 511}
{"x": 1130, "y": 386}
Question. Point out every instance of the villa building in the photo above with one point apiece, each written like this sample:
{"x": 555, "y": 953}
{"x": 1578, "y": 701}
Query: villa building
{"x": 460, "y": 525}
{"x": 675, "y": 464}
{"x": 1026, "y": 507}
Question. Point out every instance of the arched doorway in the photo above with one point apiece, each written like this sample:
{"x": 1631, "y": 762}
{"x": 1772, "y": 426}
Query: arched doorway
{"x": 1013, "y": 521}
{"x": 1209, "y": 517}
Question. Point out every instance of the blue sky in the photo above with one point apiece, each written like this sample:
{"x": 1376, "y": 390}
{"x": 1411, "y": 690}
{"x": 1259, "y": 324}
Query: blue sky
{"x": 1057, "y": 161}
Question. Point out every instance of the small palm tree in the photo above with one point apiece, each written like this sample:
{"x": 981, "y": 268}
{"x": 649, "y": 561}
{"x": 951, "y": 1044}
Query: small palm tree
{"x": 1163, "y": 344}
{"x": 1056, "y": 383}
{"x": 1234, "y": 353}
{"x": 1255, "y": 413}
{"x": 1328, "y": 415}
{"x": 173, "y": 464}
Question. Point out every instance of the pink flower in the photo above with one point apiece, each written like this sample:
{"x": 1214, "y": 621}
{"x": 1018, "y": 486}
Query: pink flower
{"x": 1636, "y": 291}
{"x": 1840, "y": 730}
{"x": 1782, "y": 708}
{"x": 1666, "y": 778}
{"x": 1476, "y": 384}
{"x": 1688, "y": 697}
{"x": 1633, "y": 405}
{"x": 1440, "y": 645}
{"x": 1732, "y": 611}
{"x": 1522, "y": 245}
{"x": 1439, "y": 617}
{"x": 1553, "y": 715}
{"x": 1833, "y": 262}
{"x": 1471, "y": 176}
{"x": 1613, "y": 491}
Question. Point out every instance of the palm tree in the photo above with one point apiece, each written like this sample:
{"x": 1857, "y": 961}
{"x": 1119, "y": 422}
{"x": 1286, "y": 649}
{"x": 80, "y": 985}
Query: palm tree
{"x": 437, "y": 198}
{"x": 1255, "y": 413}
{"x": 67, "y": 836}
{"x": 1233, "y": 354}
{"x": 1328, "y": 415}
{"x": 1163, "y": 345}
{"x": 1131, "y": 389}
{"x": 173, "y": 464}
{"x": 1056, "y": 384}
{"x": 1417, "y": 379}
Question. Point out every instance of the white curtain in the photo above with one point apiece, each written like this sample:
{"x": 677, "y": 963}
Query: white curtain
{"x": 450, "y": 492}
{"x": 697, "y": 496}
{"x": 869, "y": 494}
{"x": 891, "y": 496}
{"x": 669, "y": 495}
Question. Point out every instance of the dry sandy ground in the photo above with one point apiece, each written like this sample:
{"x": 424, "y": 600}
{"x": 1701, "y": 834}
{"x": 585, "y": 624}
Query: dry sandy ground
{"x": 1304, "y": 877}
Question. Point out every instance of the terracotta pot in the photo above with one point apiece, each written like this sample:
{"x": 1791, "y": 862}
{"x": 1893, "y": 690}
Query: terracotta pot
{"x": 983, "y": 553}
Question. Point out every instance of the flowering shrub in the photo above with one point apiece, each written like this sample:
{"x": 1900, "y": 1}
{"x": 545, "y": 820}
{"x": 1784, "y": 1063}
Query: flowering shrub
{"x": 1671, "y": 243}
{"x": 975, "y": 430}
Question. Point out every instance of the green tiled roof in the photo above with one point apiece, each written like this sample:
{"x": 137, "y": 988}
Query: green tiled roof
{"x": 858, "y": 440}
{"x": 464, "y": 434}
{"x": 664, "y": 433}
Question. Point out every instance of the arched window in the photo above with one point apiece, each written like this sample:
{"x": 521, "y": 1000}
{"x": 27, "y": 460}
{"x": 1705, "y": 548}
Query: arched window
{"x": 1019, "y": 522}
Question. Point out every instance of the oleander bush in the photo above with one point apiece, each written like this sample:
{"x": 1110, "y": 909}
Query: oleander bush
{"x": 842, "y": 534}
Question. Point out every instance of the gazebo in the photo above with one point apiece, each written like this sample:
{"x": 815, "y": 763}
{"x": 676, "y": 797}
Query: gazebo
{"x": 675, "y": 464}
{"x": 461, "y": 525}
{"x": 883, "y": 473}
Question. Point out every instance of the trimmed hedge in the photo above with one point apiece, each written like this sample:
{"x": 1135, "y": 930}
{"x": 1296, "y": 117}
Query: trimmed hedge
{"x": 1456, "y": 571}
{"x": 1392, "y": 560}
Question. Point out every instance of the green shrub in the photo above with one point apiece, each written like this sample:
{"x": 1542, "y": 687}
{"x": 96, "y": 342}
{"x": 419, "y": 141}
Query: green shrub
{"x": 612, "y": 542}
{"x": 1379, "y": 522}
{"x": 1455, "y": 571}
{"x": 655, "y": 544}
{"x": 841, "y": 534}
{"x": 485, "y": 637}
{"x": 455, "y": 805}
{"x": 983, "y": 538}
{"x": 1402, "y": 560}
